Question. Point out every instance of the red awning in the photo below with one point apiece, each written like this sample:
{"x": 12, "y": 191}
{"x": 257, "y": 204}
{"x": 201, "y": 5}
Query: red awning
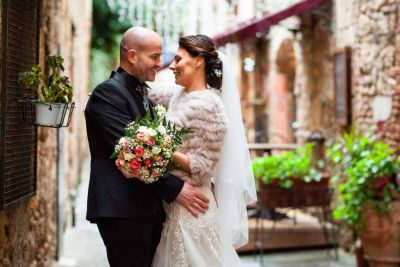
{"x": 250, "y": 28}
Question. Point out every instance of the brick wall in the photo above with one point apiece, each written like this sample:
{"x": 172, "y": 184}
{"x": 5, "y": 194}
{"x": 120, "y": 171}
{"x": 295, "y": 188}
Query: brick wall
{"x": 28, "y": 231}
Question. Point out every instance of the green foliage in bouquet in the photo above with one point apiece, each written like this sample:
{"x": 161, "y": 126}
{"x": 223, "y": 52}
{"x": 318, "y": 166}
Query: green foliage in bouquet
{"x": 287, "y": 165}
{"x": 365, "y": 170}
{"x": 54, "y": 89}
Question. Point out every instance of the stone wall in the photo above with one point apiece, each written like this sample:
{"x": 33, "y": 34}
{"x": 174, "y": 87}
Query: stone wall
{"x": 376, "y": 59}
{"x": 28, "y": 232}
{"x": 314, "y": 83}
{"x": 344, "y": 23}
{"x": 391, "y": 130}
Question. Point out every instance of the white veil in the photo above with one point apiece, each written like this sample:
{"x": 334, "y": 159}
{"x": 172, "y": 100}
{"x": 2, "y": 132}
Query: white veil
{"x": 234, "y": 179}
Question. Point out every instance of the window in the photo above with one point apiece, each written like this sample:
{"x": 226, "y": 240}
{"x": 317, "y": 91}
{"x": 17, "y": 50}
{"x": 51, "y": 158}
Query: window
{"x": 20, "y": 41}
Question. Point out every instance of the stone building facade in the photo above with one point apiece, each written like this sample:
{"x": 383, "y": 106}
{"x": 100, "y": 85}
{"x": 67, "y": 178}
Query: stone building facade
{"x": 373, "y": 28}
{"x": 30, "y": 231}
{"x": 289, "y": 90}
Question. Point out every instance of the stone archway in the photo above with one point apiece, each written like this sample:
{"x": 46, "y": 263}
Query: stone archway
{"x": 282, "y": 98}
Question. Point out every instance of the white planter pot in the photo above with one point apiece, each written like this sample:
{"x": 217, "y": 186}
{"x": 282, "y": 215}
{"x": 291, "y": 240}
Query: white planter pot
{"x": 65, "y": 108}
{"x": 47, "y": 114}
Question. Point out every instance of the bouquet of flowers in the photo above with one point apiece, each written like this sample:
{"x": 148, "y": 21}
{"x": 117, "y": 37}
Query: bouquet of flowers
{"x": 145, "y": 151}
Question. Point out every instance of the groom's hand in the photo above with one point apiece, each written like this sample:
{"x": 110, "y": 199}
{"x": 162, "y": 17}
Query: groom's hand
{"x": 194, "y": 201}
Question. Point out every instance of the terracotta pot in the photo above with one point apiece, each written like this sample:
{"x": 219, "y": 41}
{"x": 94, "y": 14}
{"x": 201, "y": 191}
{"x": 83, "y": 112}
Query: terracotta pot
{"x": 381, "y": 237}
{"x": 361, "y": 262}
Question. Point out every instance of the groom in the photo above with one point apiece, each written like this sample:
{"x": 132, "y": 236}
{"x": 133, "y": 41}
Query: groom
{"x": 129, "y": 214}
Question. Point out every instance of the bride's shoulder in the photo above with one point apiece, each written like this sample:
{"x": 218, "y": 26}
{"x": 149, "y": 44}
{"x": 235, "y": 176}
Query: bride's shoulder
{"x": 206, "y": 98}
{"x": 162, "y": 92}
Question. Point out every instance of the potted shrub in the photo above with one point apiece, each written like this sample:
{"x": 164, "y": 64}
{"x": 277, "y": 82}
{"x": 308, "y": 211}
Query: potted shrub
{"x": 288, "y": 180}
{"x": 368, "y": 194}
{"x": 55, "y": 93}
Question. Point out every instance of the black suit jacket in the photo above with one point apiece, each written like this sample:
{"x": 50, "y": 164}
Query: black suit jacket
{"x": 112, "y": 105}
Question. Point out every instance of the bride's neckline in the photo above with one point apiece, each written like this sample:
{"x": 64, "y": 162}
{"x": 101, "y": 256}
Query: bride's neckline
{"x": 194, "y": 91}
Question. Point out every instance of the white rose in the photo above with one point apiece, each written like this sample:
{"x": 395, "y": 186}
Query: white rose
{"x": 143, "y": 129}
{"x": 160, "y": 111}
{"x": 156, "y": 150}
{"x": 152, "y": 132}
{"x": 161, "y": 129}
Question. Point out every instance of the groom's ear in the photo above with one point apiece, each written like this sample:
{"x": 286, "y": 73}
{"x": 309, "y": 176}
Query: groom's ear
{"x": 132, "y": 56}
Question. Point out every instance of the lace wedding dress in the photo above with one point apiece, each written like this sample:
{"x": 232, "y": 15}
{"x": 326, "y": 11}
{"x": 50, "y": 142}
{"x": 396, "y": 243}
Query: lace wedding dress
{"x": 187, "y": 240}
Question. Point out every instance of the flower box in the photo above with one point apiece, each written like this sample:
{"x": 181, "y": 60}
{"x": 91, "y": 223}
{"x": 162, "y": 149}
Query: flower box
{"x": 301, "y": 194}
{"x": 54, "y": 107}
{"x": 39, "y": 113}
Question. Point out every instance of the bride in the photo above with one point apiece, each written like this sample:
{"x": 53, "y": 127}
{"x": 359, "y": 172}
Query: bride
{"x": 214, "y": 158}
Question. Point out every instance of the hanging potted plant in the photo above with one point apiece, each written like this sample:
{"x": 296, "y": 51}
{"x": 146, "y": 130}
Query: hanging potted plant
{"x": 54, "y": 106}
{"x": 368, "y": 194}
{"x": 289, "y": 180}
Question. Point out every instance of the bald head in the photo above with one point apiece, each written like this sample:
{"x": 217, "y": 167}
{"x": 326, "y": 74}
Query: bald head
{"x": 138, "y": 38}
{"x": 140, "y": 52}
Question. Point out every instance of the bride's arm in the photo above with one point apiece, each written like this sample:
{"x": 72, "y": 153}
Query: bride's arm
{"x": 161, "y": 92}
{"x": 209, "y": 134}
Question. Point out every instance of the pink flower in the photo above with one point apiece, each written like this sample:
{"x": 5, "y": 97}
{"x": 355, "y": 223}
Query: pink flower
{"x": 148, "y": 163}
{"x": 126, "y": 144}
{"x": 135, "y": 173}
{"x": 159, "y": 158}
{"x": 151, "y": 142}
{"x": 121, "y": 155}
{"x": 135, "y": 164}
{"x": 139, "y": 151}
{"x": 140, "y": 136}
{"x": 117, "y": 162}
{"x": 156, "y": 174}
{"x": 167, "y": 140}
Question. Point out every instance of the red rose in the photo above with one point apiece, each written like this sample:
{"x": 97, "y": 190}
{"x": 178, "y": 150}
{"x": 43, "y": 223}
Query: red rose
{"x": 148, "y": 163}
{"x": 135, "y": 164}
{"x": 139, "y": 151}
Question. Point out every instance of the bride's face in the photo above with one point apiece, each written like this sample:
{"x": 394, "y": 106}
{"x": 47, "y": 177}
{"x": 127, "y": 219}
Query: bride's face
{"x": 184, "y": 67}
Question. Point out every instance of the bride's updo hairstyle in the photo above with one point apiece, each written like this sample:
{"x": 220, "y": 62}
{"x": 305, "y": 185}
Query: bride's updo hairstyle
{"x": 203, "y": 46}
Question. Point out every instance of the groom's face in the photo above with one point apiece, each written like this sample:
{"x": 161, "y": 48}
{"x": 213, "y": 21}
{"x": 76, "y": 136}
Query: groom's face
{"x": 148, "y": 61}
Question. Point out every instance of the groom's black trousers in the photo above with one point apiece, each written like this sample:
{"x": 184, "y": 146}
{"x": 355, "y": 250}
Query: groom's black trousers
{"x": 130, "y": 243}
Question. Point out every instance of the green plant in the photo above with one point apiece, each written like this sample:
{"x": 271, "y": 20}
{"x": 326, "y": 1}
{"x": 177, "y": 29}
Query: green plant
{"x": 365, "y": 167}
{"x": 54, "y": 89}
{"x": 285, "y": 166}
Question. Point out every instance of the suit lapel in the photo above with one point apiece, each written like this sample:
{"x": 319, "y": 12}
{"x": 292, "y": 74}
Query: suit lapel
{"x": 135, "y": 97}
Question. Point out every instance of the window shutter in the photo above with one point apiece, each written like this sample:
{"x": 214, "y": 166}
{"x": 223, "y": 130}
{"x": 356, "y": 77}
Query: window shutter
{"x": 20, "y": 41}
